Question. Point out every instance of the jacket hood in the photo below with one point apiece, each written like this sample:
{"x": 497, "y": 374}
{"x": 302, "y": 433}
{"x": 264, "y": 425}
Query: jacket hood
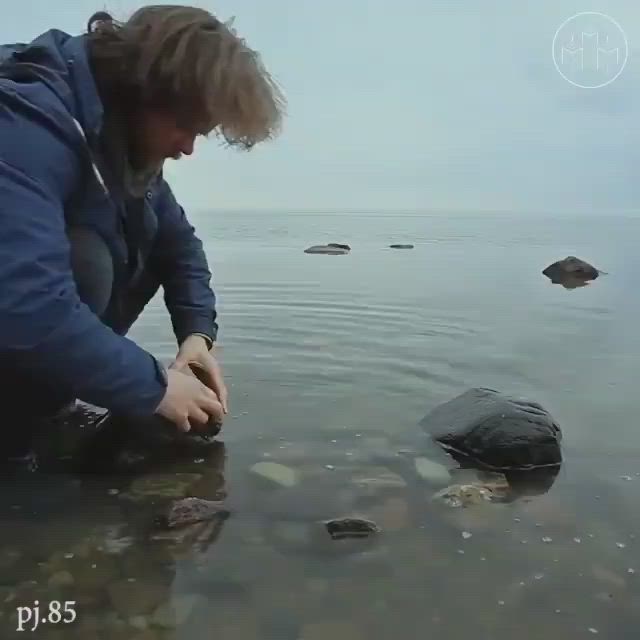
{"x": 61, "y": 61}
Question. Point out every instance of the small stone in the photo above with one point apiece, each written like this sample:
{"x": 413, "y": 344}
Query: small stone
{"x": 198, "y": 461}
{"x": 329, "y": 466}
{"x": 538, "y": 576}
{"x": 432, "y": 471}
{"x": 631, "y": 571}
{"x": 113, "y": 492}
{"x": 620, "y": 545}
{"x": 276, "y": 473}
{"x": 516, "y": 519}
{"x": 68, "y": 556}
{"x": 501, "y": 603}
{"x": 626, "y": 478}
{"x": 592, "y": 630}
{"x": 577, "y": 540}
{"x": 547, "y": 540}
{"x": 466, "y": 535}
{"x": 461, "y": 552}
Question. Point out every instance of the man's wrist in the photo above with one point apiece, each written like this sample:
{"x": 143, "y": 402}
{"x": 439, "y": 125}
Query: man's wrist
{"x": 207, "y": 340}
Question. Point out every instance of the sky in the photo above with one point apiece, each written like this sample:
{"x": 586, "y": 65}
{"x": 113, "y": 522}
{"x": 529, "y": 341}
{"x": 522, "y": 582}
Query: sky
{"x": 413, "y": 105}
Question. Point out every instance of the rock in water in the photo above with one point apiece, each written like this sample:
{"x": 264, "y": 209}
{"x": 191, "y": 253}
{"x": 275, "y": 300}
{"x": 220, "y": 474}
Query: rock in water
{"x": 570, "y": 269}
{"x": 351, "y": 528}
{"x": 490, "y": 430}
{"x": 401, "y": 246}
{"x": 189, "y": 511}
{"x": 332, "y": 249}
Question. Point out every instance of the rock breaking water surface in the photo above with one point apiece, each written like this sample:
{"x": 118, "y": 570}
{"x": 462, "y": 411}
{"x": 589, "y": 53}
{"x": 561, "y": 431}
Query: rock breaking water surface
{"x": 331, "y": 362}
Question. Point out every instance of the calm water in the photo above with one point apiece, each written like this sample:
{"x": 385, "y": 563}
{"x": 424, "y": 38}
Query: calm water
{"x": 332, "y": 360}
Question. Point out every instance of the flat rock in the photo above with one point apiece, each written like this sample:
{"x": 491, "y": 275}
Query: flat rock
{"x": 332, "y": 249}
{"x": 490, "y": 430}
{"x": 341, "y": 528}
{"x": 401, "y": 246}
{"x": 432, "y": 472}
{"x": 277, "y": 473}
{"x": 187, "y": 511}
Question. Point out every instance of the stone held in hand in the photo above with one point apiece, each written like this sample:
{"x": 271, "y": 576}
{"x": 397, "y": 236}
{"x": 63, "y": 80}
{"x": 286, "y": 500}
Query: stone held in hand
{"x": 214, "y": 426}
{"x": 489, "y": 430}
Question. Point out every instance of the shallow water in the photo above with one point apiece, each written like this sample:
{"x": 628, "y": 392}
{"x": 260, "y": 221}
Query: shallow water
{"x": 331, "y": 362}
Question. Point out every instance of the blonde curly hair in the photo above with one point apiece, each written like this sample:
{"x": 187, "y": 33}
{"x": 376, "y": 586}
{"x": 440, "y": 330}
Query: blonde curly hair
{"x": 184, "y": 59}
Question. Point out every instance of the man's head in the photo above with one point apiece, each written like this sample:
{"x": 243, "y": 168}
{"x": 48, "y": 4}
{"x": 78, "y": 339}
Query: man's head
{"x": 176, "y": 72}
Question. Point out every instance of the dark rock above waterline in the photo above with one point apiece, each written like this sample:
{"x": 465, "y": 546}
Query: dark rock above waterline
{"x": 401, "y": 246}
{"x": 332, "y": 249}
{"x": 571, "y": 271}
{"x": 490, "y": 430}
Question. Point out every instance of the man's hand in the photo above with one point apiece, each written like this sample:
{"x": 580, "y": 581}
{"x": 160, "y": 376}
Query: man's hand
{"x": 188, "y": 399}
{"x": 195, "y": 349}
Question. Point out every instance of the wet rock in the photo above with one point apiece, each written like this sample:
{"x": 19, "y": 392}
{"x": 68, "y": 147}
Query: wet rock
{"x": 135, "y": 598}
{"x": 187, "y": 511}
{"x": 351, "y": 528}
{"x": 401, "y": 246}
{"x": 432, "y": 472}
{"x": 276, "y": 473}
{"x": 333, "y": 249}
{"x": 571, "y": 272}
{"x": 169, "y": 485}
{"x": 467, "y": 495}
{"x": 486, "y": 429}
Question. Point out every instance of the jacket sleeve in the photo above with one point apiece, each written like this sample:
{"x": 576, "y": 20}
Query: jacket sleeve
{"x": 43, "y": 324}
{"x": 182, "y": 266}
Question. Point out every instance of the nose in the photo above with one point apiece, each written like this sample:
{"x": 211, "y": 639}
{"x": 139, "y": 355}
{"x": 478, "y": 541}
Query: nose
{"x": 187, "y": 144}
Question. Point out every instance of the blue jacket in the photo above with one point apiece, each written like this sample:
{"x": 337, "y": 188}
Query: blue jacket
{"x": 50, "y": 171}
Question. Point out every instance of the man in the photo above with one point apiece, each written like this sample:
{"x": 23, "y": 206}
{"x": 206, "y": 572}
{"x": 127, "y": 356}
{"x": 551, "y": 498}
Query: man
{"x": 89, "y": 228}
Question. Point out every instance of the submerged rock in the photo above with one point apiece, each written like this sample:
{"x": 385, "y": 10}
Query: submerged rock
{"x": 571, "y": 272}
{"x": 189, "y": 511}
{"x": 163, "y": 485}
{"x": 333, "y": 249}
{"x": 351, "y": 528}
{"x": 486, "y": 429}
{"x": 468, "y": 495}
{"x": 433, "y": 472}
{"x": 278, "y": 474}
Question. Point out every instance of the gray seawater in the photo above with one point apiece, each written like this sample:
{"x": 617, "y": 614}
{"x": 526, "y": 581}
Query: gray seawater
{"x": 331, "y": 362}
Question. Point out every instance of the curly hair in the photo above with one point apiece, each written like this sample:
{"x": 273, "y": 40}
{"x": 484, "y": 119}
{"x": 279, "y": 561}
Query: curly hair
{"x": 184, "y": 59}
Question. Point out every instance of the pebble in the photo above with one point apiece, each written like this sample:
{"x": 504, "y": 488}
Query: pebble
{"x": 113, "y": 492}
{"x": 329, "y": 466}
{"x": 626, "y": 478}
{"x": 466, "y": 535}
{"x": 577, "y": 540}
{"x": 277, "y": 473}
{"x": 592, "y": 630}
{"x": 432, "y": 471}
{"x": 546, "y": 539}
{"x": 620, "y": 545}
{"x": 198, "y": 461}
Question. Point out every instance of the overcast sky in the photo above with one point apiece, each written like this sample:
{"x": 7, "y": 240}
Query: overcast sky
{"x": 412, "y": 104}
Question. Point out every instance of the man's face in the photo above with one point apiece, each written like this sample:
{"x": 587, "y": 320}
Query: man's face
{"x": 159, "y": 135}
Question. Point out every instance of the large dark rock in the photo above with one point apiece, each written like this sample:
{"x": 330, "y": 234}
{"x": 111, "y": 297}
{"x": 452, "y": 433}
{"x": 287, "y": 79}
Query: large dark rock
{"x": 486, "y": 429}
{"x": 332, "y": 249}
{"x": 571, "y": 271}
